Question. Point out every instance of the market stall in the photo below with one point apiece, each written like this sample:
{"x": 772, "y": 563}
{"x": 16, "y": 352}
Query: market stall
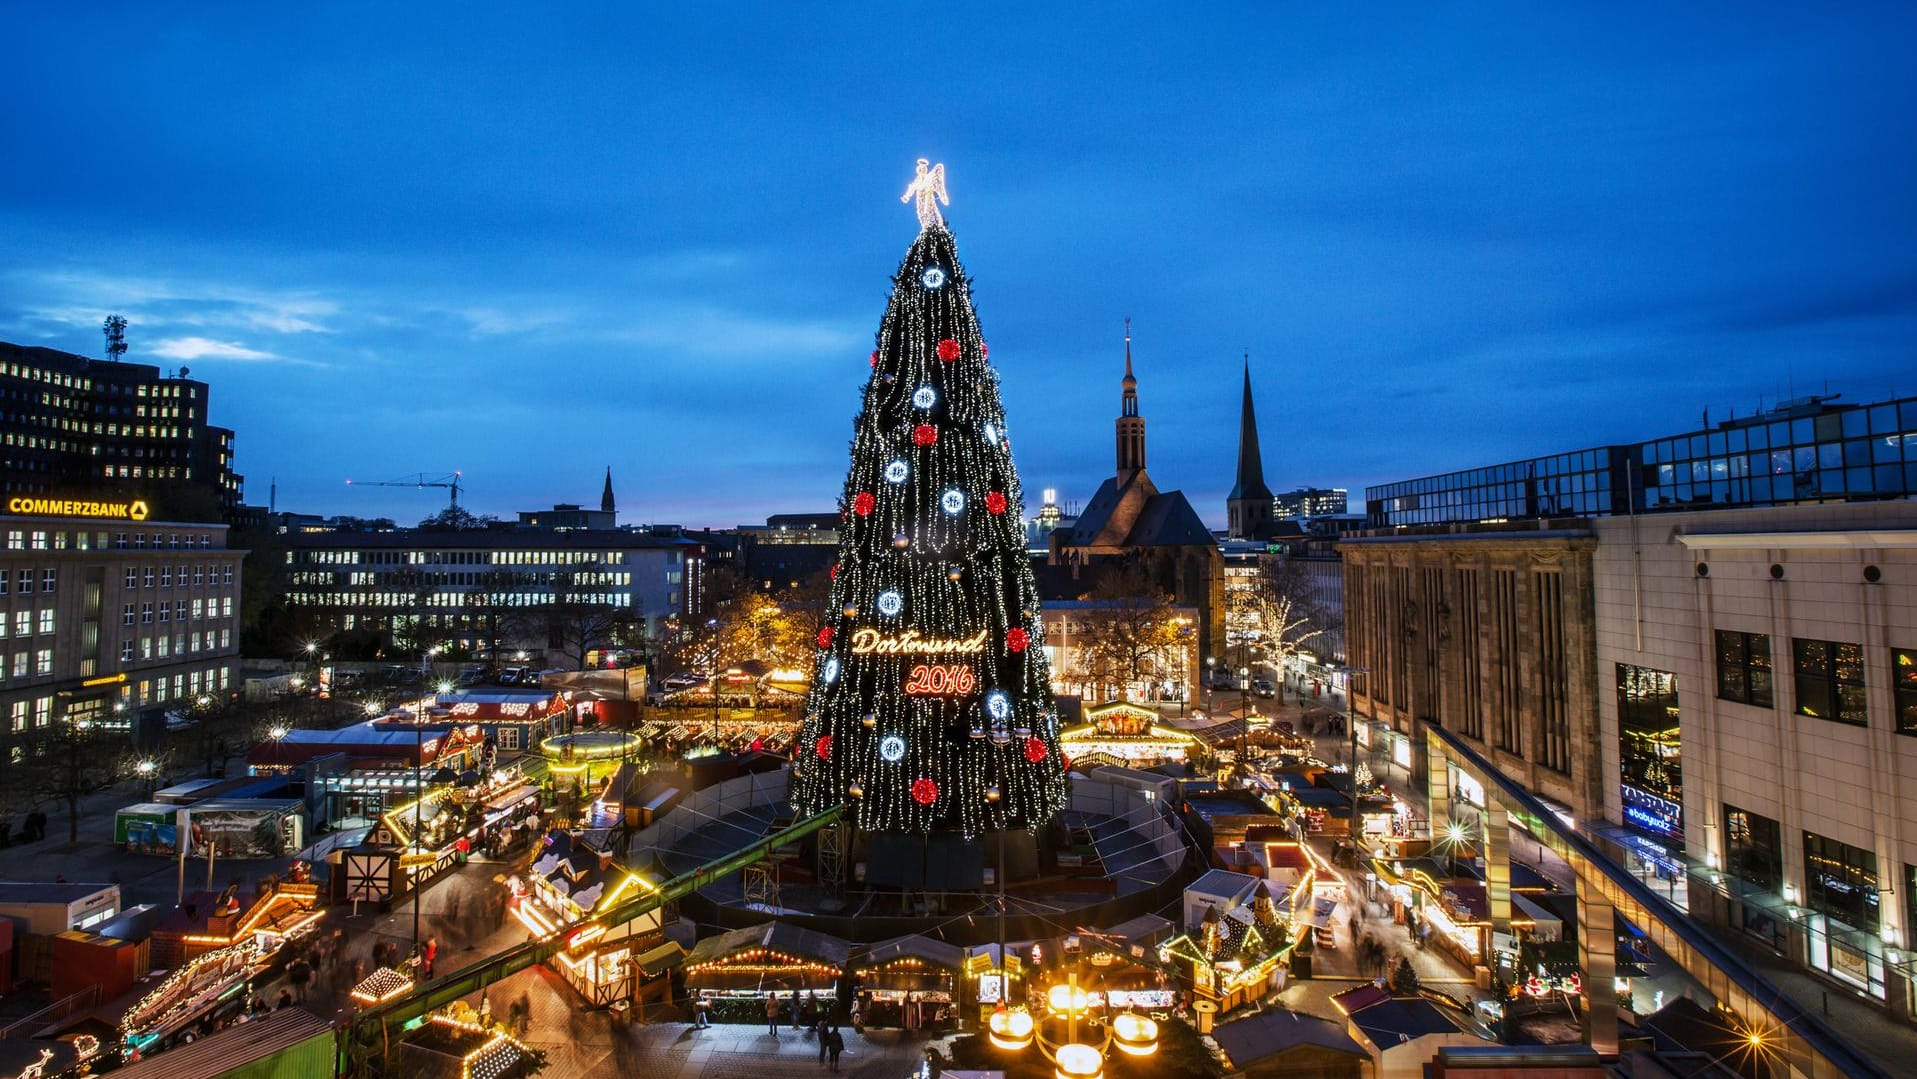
{"x": 736, "y": 970}
{"x": 909, "y": 981}
{"x": 1125, "y": 734}
{"x": 569, "y": 881}
{"x": 1236, "y": 955}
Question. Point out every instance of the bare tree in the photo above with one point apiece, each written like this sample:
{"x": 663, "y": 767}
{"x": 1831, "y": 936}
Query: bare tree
{"x": 1132, "y": 633}
{"x": 68, "y": 761}
{"x": 1275, "y": 613}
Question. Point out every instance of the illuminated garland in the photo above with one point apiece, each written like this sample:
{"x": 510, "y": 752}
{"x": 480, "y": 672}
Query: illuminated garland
{"x": 929, "y": 549}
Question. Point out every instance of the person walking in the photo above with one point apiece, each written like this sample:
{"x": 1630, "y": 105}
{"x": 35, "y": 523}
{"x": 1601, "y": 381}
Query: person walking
{"x": 772, "y": 1014}
{"x": 700, "y": 1006}
{"x": 822, "y": 1027}
{"x": 835, "y": 1044}
{"x": 794, "y": 1005}
{"x": 298, "y": 973}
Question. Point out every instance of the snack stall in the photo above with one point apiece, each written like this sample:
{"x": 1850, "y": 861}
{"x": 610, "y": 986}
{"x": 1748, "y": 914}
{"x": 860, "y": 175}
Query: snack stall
{"x": 1127, "y": 735}
{"x": 571, "y": 880}
{"x": 207, "y": 989}
{"x": 905, "y": 974}
{"x": 736, "y": 970}
{"x": 1235, "y": 955}
{"x": 1453, "y": 912}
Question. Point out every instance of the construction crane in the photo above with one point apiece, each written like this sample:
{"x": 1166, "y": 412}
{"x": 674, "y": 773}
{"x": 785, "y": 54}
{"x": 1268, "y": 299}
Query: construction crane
{"x": 450, "y": 481}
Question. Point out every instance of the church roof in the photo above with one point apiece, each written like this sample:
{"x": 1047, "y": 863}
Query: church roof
{"x": 1169, "y": 521}
{"x": 1138, "y": 515}
{"x": 1251, "y": 469}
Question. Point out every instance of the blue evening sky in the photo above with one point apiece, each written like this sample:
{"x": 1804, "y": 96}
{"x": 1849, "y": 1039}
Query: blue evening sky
{"x": 531, "y": 241}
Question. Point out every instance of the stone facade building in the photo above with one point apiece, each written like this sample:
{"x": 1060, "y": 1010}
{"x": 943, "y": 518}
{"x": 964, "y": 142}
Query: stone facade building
{"x": 1489, "y": 634}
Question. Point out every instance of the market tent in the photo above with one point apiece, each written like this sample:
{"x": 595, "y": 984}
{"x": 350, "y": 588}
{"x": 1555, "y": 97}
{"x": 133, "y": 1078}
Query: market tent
{"x": 767, "y": 957}
{"x": 889, "y": 964}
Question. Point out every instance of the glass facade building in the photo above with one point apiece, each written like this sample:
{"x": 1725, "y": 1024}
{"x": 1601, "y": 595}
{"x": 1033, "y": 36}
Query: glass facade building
{"x": 1804, "y": 451}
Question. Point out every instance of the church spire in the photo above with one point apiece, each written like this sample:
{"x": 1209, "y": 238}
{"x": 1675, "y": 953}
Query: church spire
{"x": 605, "y": 497}
{"x": 1131, "y": 426}
{"x": 1248, "y": 507}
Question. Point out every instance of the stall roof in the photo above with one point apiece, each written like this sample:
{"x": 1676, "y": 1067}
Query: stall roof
{"x": 20, "y": 892}
{"x": 1400, "y": 1019}
{"x": 1146, "y": 928}
{"x": 661, "y": 959}
{"x": 1230, "y": 888}
{"x": 1254, "y": 1038}
{"x": 232, "y": 1048}
{"x": 778, "y": 936}
{"x": 936, "y": 952}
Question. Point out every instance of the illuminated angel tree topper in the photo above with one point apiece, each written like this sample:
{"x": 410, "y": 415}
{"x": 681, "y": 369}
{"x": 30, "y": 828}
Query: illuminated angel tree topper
{"x": 931, "y": 707}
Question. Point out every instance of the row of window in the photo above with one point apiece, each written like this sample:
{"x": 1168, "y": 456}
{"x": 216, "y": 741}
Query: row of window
{"x": 456, "y": 558}
{"x": 1839, "y": 880}
{"x": 35, "y": 664}
{"x": 25, "y": 621}
{"x": 179, "y": 611}
{"x": 454, "y": 599}
{"x": 181, "y": 644}
{"x": 1828, "y": 677}
{"x": 23, "y": 579}
{"x": 147, "y": 576}
{"x": 58, "y": 540}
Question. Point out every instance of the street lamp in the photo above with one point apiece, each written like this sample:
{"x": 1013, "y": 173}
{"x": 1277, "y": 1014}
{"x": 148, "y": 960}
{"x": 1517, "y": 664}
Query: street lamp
{"x": 147, "y": 768}
{"x": 1211, "y": 683}
{"x": 277, "y": 732}
{"x": 1351, "y": 720}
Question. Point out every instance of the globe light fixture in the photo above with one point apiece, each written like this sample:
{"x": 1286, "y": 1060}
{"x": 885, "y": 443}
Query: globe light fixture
{"x": 1078, "y": 1061}
{"x": 1135, "y": 1034}
{"x": 1010, "y": 1030}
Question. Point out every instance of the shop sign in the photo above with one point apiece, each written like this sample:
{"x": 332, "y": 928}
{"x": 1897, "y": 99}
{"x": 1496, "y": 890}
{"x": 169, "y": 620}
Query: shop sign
{"x": 70, "y": 507}
{"x": 1659, "y": 816}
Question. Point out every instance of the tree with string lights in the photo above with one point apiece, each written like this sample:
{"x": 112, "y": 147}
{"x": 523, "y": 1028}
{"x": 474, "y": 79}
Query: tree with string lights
{"x": 931, "y": 706}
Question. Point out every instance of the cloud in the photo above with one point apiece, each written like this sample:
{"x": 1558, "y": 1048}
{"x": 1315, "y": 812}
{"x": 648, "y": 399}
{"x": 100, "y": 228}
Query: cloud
{"x": 200, "y": 348}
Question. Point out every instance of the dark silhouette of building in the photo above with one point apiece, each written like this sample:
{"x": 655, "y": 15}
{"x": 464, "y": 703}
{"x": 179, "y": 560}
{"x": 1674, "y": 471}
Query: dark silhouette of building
{"x": 75, "y": 427}
{"x": 1248, "y": 507}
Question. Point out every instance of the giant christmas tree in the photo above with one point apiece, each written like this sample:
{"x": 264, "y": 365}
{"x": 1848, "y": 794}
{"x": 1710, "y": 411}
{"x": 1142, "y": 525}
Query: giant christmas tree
{"x": 931, "y": 707}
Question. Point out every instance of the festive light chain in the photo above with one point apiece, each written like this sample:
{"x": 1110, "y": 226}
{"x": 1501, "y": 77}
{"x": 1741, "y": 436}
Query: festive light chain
{"x": 931, "y": 466}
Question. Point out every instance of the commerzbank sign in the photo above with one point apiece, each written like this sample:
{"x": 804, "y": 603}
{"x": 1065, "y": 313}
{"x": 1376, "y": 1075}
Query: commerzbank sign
{"x": 70, "y": 507}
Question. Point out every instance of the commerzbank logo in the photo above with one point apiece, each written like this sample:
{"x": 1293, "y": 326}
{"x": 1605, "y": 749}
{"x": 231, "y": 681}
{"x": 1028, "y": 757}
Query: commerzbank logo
{"x": 73, "y": 507}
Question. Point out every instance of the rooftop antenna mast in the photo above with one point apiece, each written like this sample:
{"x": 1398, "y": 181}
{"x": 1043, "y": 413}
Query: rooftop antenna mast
{"x": 115, "y": 330}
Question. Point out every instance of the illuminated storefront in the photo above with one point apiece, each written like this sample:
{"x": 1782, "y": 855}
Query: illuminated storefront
{"x": 567, "y": 885}
{"x": 1124, "y": 734}
{"x": 908, "y": 971}
{"x": 736, "y": 970}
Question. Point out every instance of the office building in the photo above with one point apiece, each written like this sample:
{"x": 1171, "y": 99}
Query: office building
{"x": 473, "y": 589}
{"x": 1310, "y": 502}
{"x": 1702, "y": 648}
{"x": 110, "y": 616}
{"x": 112, "y": 430}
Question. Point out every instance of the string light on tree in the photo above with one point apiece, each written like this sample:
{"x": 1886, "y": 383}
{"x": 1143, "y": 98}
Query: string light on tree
{"x": 938, "y": 600}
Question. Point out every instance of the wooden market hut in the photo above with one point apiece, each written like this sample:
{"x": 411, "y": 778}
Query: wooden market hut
{"x": 744, "y": 965}
{"x": 912, "y": 969}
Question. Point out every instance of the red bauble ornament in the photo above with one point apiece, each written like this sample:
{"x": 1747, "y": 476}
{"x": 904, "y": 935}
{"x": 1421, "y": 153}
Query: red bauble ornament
{"x": 948, "y": 350}
{"x": 825, "y": 636}
{"x": 924, "y": 791}
{"x": 925, "y": 434}
{"x": 833, "y": 573}
{"x": 875, "y": 358}
{"x": 863, "y": 502}
{"x": 994, "y": 502}
{"x": 1064, "y": 762}
{"x": 1016, "y": 639}
{"x": 1034, "y": 750}
{"x": 823, "y": 746}
{"x": 984, "y": 351}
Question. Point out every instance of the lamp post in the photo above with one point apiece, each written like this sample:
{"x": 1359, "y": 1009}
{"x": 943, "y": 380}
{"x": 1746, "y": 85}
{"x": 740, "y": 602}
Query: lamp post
{"x": 419, "y": 799}
{"x": 147, "y": 768}
{"x": 1351, "y": 721}
{"x": 277, "y": 732}
{"x": 1004, "y": 984}
{"x": 1211, "y": 683}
